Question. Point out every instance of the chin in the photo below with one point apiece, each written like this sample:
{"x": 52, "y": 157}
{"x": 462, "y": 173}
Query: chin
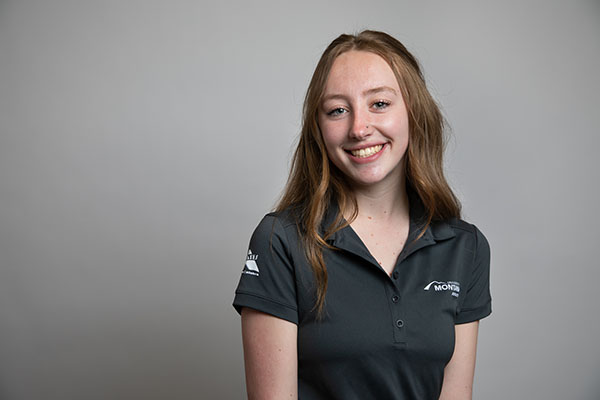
{"x": 389, "y": 178}
{"x": 367, "y": 181}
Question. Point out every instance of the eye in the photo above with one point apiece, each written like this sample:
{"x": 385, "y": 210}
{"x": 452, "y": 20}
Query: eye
{"x": 381, "y": 104}
{"x": 336, "y": 112}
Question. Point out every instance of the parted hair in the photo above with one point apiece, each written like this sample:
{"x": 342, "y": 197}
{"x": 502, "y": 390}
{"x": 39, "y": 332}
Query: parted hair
{"x": 314, "y": 182}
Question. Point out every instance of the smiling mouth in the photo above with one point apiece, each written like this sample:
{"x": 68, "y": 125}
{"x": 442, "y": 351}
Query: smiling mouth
{"x": 366, "y": 152}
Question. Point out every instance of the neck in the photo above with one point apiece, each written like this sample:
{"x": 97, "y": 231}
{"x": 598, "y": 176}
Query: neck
{"x": 382, "y": 202}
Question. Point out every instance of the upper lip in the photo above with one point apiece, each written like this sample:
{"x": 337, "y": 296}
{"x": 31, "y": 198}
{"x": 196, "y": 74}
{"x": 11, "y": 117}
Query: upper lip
{"x": 363, "y": 146}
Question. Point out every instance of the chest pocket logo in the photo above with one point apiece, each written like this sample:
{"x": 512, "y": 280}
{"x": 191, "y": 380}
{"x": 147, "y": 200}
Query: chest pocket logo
{"x": 440, "y": 286}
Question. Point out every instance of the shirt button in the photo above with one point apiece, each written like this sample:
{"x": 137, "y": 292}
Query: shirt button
{"x": 399, "y": 323}
{"x": 395, "y": 275}
{"x": 395, "y": 298}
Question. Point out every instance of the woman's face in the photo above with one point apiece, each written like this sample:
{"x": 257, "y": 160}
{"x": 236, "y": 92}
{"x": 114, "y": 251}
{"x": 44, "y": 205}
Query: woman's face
{"x": 363, "y": 119}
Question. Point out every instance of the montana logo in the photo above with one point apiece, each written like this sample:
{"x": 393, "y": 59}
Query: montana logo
{"x": 440, "y": 286}
{"x": 251, "y": 267}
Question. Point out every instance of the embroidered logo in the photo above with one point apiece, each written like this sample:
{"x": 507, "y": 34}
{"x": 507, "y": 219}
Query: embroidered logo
{"x": 251, "y": 267}
{"x": 438, "y": 286}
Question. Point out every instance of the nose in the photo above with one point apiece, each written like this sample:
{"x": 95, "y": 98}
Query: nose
{"x": 360, "y": 128}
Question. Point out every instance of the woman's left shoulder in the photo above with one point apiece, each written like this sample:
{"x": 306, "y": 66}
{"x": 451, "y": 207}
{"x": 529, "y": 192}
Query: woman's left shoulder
{"x": 469, "y": 231}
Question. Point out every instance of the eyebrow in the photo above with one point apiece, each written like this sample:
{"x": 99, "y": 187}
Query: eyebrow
{"x": 367, "y": 92}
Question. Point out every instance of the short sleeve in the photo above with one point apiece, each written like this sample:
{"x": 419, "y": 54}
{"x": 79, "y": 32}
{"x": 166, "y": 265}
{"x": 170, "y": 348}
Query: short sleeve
{"x": 477, "y": 301}
{"x": 268, "y": 282}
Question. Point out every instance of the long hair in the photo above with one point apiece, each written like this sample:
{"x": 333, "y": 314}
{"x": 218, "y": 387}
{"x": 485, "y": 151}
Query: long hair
{"x": 314, "y": 182}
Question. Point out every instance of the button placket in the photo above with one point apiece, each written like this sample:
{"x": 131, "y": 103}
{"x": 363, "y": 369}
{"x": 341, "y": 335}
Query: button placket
{"x": 396, "y": 319}
{"x": 398, "y": 325}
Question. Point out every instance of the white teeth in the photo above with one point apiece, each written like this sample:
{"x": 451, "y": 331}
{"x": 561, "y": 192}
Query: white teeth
{"x": 369, "y": 151}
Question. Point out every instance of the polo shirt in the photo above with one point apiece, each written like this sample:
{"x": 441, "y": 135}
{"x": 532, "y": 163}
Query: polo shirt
{"x": 382, "y": 336}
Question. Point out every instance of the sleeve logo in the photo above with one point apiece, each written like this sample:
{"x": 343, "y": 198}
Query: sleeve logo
{"x": 251, "y": 268}
{"x": 439, "y": 286}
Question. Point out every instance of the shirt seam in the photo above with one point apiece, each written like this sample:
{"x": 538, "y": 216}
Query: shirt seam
{"x": 278, "y": 216}
{"x": 456, "y": 226}
{"x": 266, "y": 298}
{"x": 475, "y": 251}
{"x": 289, "y": 254}
{"x": 287, "y": 239}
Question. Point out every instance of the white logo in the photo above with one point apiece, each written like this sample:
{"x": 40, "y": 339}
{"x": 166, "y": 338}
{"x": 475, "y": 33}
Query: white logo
{"x": 251, "y": 268}
{"x": 438, "y": 286}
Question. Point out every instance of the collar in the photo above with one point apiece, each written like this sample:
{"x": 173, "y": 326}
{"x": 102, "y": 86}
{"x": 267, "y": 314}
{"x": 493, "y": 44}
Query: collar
{"x": 436, "y": 231}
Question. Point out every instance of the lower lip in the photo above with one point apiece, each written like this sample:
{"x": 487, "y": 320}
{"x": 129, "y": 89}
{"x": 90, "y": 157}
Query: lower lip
{"x": 364, "y": 160}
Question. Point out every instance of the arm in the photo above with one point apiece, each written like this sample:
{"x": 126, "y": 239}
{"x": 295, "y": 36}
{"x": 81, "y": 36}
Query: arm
{"x": 270, "y": 356}
{"x": 458, "y": 374}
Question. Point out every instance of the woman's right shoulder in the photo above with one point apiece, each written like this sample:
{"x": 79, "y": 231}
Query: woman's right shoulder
{"x": 285, "y": 219}
{"x": 284, "y": 223}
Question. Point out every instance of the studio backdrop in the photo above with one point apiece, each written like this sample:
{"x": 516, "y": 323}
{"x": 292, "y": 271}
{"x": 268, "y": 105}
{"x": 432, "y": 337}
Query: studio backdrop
{"x": 142, "y": 141}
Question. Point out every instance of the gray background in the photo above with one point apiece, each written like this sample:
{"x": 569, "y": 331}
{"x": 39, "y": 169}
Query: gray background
{"x": 142, "y": 141}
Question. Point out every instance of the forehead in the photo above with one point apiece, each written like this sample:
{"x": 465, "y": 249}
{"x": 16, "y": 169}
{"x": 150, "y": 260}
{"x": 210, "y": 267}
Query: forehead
{"x": 359, "y": 70}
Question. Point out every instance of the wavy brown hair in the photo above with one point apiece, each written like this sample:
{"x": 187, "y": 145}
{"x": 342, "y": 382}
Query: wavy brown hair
{"x": 314, "y": 182}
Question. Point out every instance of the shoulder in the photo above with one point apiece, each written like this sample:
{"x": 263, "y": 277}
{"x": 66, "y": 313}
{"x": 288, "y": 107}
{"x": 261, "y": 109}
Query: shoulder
{"x": 462, "y": 227}
{"x": 288, "y": 219}
{"x": 285, "y": 218}
{"x": 471, "y": 233}
{"x": 281, "y": 225}
{"x": 473, "y": 242}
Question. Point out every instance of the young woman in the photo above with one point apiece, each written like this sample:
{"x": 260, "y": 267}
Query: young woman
{"x": 365, "y": 283}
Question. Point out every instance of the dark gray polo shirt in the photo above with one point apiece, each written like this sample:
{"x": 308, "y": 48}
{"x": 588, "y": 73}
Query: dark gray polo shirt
{"x": 382, "y": 337}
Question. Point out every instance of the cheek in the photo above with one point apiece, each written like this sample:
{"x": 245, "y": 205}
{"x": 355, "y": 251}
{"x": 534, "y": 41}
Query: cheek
{"x": 332, "y": 136}
{"x": 333, "y": 141}
{"x": 333, "y": 150}
{"x": 397, "y": 129}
